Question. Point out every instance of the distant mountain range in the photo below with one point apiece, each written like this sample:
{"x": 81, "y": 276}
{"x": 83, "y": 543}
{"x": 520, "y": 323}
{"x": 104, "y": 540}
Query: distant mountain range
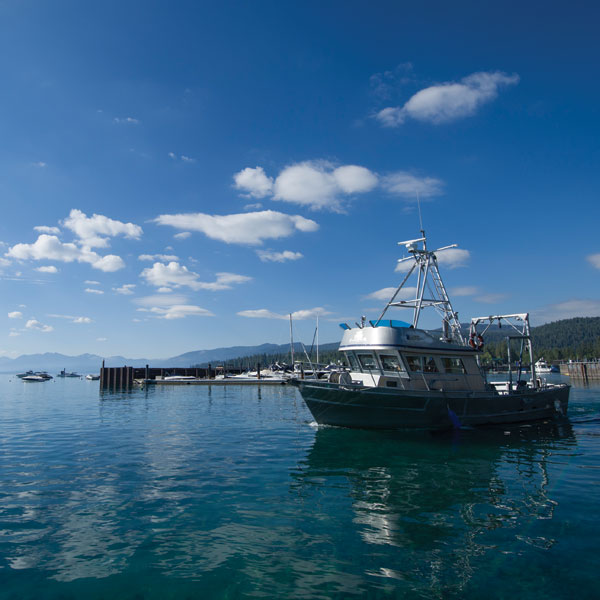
{"x": 565, "y": 334}
{"x": 91, "y": 363}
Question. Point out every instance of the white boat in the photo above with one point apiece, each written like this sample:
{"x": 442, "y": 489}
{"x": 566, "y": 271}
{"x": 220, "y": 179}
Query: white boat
{"x": 400, "y": 376}
{"x": 34, "y": 378}
{"x": 541, "y": 366}
{"x": 91, "y": 377}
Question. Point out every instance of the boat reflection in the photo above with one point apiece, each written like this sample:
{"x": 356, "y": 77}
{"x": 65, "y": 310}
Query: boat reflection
{"x": 439, "y": 499}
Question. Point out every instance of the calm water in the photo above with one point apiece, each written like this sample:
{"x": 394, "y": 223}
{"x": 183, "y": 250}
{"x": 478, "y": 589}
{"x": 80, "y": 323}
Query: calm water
{"x": 194, "y": 492}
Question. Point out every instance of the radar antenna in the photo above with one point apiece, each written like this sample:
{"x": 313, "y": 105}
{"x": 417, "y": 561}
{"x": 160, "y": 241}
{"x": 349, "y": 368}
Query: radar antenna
{"x": 430, "y": 289}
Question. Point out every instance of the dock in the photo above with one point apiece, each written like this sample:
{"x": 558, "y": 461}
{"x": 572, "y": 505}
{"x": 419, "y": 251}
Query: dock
{"x": 126, "y": 378}
{"x": 581, "y": 370}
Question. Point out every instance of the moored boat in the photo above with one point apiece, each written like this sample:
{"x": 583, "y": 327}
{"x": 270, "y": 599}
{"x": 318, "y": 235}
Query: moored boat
{"x": 400, "y": 376}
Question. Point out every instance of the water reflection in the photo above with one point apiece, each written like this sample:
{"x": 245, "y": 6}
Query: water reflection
{"x": 442, "y": 502}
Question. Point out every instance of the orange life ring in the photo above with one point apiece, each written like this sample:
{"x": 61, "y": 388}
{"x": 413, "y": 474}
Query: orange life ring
{"x": 472, "y": 341}
{"x": 479, "y": 342}
{"x": 476, "y": 341}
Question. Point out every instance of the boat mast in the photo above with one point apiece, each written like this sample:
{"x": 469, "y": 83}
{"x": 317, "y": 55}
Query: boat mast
{"x": 430, "y": 287}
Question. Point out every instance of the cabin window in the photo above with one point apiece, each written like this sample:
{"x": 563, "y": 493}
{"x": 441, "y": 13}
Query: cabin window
{"x": 368, "y": 362}
{"x": 352, "y": 361}
{"x": 391, "y": 362}
{"x": 453, "y": 364}
{"x": 421, "y": 364}
{"x": 414, "y": 362}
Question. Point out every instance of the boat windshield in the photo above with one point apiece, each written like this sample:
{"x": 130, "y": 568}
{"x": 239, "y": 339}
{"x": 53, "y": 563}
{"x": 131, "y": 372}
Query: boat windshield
{"x": 391, "y": 362}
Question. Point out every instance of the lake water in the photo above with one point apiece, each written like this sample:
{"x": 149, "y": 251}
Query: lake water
{"x": 232, "y": 492}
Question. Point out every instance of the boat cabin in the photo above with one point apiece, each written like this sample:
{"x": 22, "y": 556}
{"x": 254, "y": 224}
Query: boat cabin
{"x": 393, "y": 354}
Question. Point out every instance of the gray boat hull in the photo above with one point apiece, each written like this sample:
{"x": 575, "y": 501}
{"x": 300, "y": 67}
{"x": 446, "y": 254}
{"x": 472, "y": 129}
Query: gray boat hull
{"x": 380, "y": 408}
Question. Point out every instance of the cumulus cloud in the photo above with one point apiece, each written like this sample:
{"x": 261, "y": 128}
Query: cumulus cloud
{"x": 49, "y": 247}
{"x": 594, "y": 260}
{"x": 46, "y": 229}
{"x": 93, "y": 291}
{"x": 263, "y": 313}
{"x": 408, "y": 185}
{"x": 15, "y": 314}
{"x": 175, "y": 275}
{"x": 126, "y": 120}
{"x": 48, "y": 269}
{"x": 320, "y": 185}
{"x": 253, "y": 182}
{"x": 152, "y": 257}
{"x": 95, "y": 231}
{"x": 242, "y": 228}
{"x": 91, "y": 282}
{"x": 184, "y": 235}
{"x": 271, "y": 256}
{"x": 37, "y": 326}
{"x": 448, "y": 101}
{"x": 126, "y": 289}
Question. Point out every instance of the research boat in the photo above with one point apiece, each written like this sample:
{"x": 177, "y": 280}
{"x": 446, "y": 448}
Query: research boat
{"x": 401, "y": 376}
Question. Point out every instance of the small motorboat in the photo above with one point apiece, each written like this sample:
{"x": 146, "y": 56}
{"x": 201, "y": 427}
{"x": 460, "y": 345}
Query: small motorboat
{"x": 34, "y": 377}
{"x": 91, "y": 377}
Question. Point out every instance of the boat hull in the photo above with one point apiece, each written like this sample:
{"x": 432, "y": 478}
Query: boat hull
{"x": 379, "y": 408}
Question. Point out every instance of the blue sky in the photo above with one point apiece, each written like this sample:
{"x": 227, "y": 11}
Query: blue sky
{"x": 182, "y": 176}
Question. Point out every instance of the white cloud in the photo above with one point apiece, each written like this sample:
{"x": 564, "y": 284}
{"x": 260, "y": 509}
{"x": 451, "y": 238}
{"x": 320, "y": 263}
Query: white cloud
{"x": 254, "y": 182}
{"x": 242, "y": 228}
{"x": 48, "y": 269}
{"x": 318, "y": 185}
{"x": 176, "y": 275}
{"x": 271, "y": 256}
{"x": 263, "y": 313}
{"x": 385, "y": 294}
{"x": 448, "y": 101}
{"x": 164, "y": 290}
{"x": 127, "y": 120}
{"x": 91, "y": 282}
{"x": 159, "y": 300}
{"x": 40, "y": 164}
{"x": 464, "y": 291}
{"x": 36, "y": 325}
{"x": 14, "y": 334}
{"x": 93, "y": 291}
{"x": 402, "y": 183}
{"x": 101, "y": 339}
{"x": 594, "y": 260}
{"x": 181, "y": 157}
{"x": 180, "y": 311}
{"x": 78, "y": 320}
{"x": 452, "y": 258}
{"x": 94, "y": 231}
{"x": 16, "y": 314}
{"x": 49, "y": 247}
{"x": 46, "y": 229}
{"x": 184, "y": 235}
{"x": 253, "y": 206}
{"x": 157, "y": 257}
{"x": 126, "y": 289}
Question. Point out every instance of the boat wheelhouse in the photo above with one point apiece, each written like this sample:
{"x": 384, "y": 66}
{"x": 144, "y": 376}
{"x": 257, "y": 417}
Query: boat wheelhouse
{"x": 400, "y": 376}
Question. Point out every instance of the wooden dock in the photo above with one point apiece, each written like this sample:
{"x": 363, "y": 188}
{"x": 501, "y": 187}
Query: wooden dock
{"x": 581, "y": 370}
{"x": 125, "y": 378}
